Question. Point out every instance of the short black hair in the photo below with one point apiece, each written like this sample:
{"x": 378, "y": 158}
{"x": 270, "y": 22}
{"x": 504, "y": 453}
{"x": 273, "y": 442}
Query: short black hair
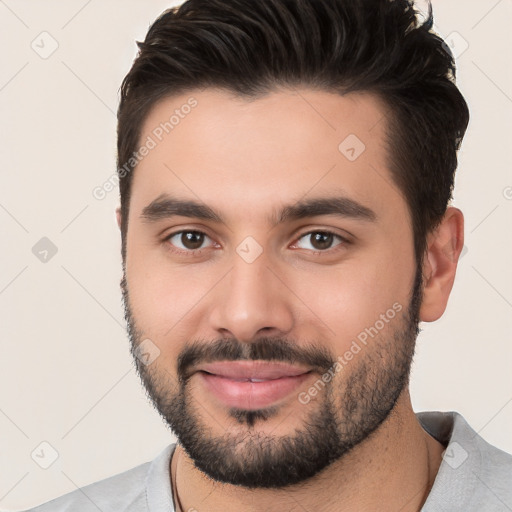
{"x": 254, "y": 47}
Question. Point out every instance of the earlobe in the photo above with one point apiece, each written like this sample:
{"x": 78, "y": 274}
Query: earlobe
{"x": 444, "y": 246}
{"x": 118, "y": 216}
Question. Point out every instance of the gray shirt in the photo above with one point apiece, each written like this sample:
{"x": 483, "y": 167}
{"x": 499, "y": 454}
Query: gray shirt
{"x": 473, "y": 476}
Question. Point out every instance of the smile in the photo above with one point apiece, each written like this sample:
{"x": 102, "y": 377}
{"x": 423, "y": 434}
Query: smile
{"x": 251, "y": 384}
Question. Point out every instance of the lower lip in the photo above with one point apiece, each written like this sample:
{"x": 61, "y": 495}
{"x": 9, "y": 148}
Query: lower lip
{"x": 251, "y": 395}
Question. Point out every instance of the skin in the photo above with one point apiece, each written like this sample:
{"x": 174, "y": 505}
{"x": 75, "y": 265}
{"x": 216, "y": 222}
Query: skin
{"x": 246, "y": 160}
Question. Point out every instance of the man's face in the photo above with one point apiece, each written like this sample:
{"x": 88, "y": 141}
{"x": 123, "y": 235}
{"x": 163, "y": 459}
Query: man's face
{"x": 283, "y": 323}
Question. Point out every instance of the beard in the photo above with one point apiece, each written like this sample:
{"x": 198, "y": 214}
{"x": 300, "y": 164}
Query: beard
{"x": 353, "y": 404}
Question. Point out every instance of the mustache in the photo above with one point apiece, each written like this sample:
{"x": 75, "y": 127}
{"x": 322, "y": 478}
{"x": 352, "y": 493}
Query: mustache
{"x": 270, "y": 349}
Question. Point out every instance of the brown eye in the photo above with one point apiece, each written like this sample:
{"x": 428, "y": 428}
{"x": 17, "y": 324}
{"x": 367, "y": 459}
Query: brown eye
{"x": 187, "y": 240}
{"x": 319, "y": 240}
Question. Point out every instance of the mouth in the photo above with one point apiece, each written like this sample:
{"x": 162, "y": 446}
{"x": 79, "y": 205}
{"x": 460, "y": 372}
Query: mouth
{"x": 251, "y": 384}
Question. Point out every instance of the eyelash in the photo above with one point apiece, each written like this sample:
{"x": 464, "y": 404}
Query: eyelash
{"x": 196, "y": 252}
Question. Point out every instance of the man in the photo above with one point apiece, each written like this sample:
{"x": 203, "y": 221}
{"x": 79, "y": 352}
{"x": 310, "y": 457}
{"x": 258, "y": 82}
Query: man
{"x": 285, "y": 171}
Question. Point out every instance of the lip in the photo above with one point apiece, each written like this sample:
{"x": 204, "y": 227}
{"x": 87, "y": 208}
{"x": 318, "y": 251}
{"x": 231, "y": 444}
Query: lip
{"x": 251, "y": 384}
{"x": 240, "y": 370}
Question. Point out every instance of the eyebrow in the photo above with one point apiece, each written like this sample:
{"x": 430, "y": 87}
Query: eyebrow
{"x": 166, "y": 206}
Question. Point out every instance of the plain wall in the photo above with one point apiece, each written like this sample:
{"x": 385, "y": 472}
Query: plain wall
{"x": 66, "y": 376}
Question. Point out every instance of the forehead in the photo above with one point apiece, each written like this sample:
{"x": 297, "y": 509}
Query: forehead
{"x": 240, "y": 155}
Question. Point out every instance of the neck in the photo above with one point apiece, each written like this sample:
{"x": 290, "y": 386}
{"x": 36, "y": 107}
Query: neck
{"x": 399, "y": 459}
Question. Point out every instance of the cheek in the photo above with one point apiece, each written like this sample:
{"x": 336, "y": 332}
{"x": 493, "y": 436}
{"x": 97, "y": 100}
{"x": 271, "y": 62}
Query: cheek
{"x": 163, "y": 296}
{"x": 351, "y": 298}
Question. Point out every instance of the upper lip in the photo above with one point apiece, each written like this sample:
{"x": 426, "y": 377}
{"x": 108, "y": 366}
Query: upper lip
{"x": 253, "y": 369}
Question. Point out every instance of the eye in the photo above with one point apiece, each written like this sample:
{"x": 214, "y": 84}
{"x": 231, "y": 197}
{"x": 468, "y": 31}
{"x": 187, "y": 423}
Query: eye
{"x": 187, "y": 241}
{"x": 192, "y": 241}
{"x": 320, "y": 241}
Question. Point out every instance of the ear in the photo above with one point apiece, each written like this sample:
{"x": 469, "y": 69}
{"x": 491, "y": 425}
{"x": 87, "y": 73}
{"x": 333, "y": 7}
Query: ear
{"x": 118, "y": 216}
{"x": 444, "y": 246}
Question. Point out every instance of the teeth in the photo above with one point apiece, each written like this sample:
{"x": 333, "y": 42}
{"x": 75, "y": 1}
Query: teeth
{"x": 251, "y": 380}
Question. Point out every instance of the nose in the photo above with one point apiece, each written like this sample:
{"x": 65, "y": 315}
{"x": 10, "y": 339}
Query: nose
{"x": 253, "y": 300}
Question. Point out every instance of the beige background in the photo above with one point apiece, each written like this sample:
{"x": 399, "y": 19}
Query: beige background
{"x": 65, "y": 373}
